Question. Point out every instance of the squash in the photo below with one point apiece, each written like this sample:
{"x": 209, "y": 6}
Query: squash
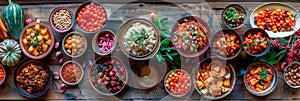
{"x": 13, "y": 17}
{"x": 10, "y": 52}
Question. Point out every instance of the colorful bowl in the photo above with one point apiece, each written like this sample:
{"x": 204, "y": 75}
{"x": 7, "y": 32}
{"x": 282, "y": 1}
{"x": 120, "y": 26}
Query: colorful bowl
{"x": 74, "y": 63}
{"x": 96, "y": 40}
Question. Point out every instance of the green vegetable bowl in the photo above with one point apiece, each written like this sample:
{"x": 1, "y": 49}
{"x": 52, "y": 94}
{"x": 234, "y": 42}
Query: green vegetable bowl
{"x": 234, "y": 16}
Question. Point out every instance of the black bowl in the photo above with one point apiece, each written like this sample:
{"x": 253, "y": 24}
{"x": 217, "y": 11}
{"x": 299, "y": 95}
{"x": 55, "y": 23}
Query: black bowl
{"x": 264, "y": 33}
{"x": 22, "y": 91}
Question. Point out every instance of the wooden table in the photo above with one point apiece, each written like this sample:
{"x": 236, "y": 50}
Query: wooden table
{"x": 118, "y": 13}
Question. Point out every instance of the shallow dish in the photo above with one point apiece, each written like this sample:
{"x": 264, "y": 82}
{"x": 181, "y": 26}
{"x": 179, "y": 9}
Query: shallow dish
{"x": 49, "y": 37}
{"x": 180, "y": 87}
{"x": 273, "y": 82}
{"x": 286, "y": 72}
{"x": 97, "y": 40}
{"x": 139, "y": 39}
{"x": 75, "y": 72}
{"x": 240, "y": 10}
{"x": 276, "y": 5}
{"x": 48, "y": 81}
{"x": 230, "y": 75}
{"x": 206, "y": 36}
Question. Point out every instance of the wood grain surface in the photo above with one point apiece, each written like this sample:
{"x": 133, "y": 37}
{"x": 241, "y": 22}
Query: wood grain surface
{"x": 118, "y": 13}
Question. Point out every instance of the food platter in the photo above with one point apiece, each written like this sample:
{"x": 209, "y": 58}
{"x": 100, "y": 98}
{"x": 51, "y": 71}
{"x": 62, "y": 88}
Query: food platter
{"x": 275, "y": 6}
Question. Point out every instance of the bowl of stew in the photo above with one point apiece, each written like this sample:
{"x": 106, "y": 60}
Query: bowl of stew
{"x": 36, "y": 40}
{"x": 256, "y": 42}
{"x": 226, "y": 44}
{"x": 71, "y": 73}
{"x": 191, "y": 36}
{"x": 32, "y": 78}
{"x": 90, "y": 16}
{"x": 260, "y": 78}
{"x": 2, "y": 74}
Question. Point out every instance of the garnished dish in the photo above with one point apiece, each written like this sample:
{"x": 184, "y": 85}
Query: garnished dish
{"x": 108, "y": 76}
{"x": 178, "y": 82}
{"x": 226, "y": 44}
{"x": 36, "y": 40}
{"x": 292, "y": 75}
{"x": 2, "y": 74}
{"x": 190, "y": 36}
{"x": 104, "y": 42}
{"x": 214, "y": 79}
{"x": 276, "y": 20}
{"x": 74, "y": 44}
{"x": 260, "y": 78}
{"x": 71, "y": 73}
{"x": 234, "y": 16}
{"x": 61, "y": 19}
{"x": 32, "y": 78}
{"x": 91, "y": 16}
{"x": 256, "y": 41}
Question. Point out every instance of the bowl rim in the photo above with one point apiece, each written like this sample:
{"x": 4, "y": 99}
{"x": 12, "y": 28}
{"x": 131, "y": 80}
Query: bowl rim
{"x": 233, "y": 80}
{"x": 270, "y": 89}
{"x": 51, "y": 19}
{"x": 50, "y": 47}
{"x": 268, "y": 40}
{"x": 63, "y": 66}
{"x": 82, "y": 6}
{"x": 1, "y": 82}
{"x": 288, "y": 66}
{"x": 235, "y": 6}
{"x": 95, "y": 39}
{"x": 123, "y": 29}
{"x": 63, "y": 44}
{"x": 23, "y": 92}
{"x": 96, "y": 89}
{"x": 236, "y": 53}
{"x": 190, "y": 87}
{"x": 203, "y": 24}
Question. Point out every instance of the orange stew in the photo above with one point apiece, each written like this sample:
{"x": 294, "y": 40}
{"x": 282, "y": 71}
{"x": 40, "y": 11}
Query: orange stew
{"x": 259, "y": 77}
{"x": 226, "y": 43}
{"x": 91, "y": 18}
{"x": 255, "y": 43}
{"x": 2, "y": 74}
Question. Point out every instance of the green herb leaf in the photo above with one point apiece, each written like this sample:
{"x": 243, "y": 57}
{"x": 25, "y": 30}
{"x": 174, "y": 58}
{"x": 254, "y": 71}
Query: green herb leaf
{"x": 165, "y": 42}
{"x": 164, "y": 21}
{"x": 273, "y": 58}
{"x": 168, "y": 27}
{"x": 155, "y": 21}
{"x": 159, "y": 56}
{"x": 169, "y": 56}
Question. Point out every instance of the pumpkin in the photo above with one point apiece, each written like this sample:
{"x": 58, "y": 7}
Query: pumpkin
{"x": 13, "y": 17}
{"x": 10, "y": 52}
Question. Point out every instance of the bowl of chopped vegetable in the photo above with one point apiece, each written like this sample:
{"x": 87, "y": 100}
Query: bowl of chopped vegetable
{"x": 71, "y": 73}
{"x": 61, "y": 19}
{"x": 104, "y": 42}
{"x": 260, "y": 78}
{"x": 191, "y": 36}
{"x": 74, "y": 44}
{"x": 256, "y": 42}
{"x": 234, "y": 16}
{"x": 139, "y": 39}
{"x": 214, "y": 78}
{"x": 2, "y": 74}
{"x": 226, "y": 44}
{"x": 36, "y": 40}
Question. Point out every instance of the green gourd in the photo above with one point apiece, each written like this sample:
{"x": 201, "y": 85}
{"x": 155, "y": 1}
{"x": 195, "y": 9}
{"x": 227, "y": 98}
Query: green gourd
{"x": 10, "y": 52}
{"x": 13, "y": 17}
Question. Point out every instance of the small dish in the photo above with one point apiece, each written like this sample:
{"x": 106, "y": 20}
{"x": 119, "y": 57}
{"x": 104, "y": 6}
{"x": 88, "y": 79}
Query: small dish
{"x": 250, "y": 79}
{"x": 61, "y": 19}
{"x": 44, "y": 34}
{"x": 95, "y": 18}
{"x": 172, "y": 80}
{"x": 259, "y": 36}
{"x": 290, "y": 72}
{"x": 180, "y": 41}
{"x": 74, "y": 70}
{"x": 79, "y": 42}
{"x": 220, "y": 44}
{"x": 109, "y": 40}
{"x": 2, "y": 74}
{"x": 234, "y": 16}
